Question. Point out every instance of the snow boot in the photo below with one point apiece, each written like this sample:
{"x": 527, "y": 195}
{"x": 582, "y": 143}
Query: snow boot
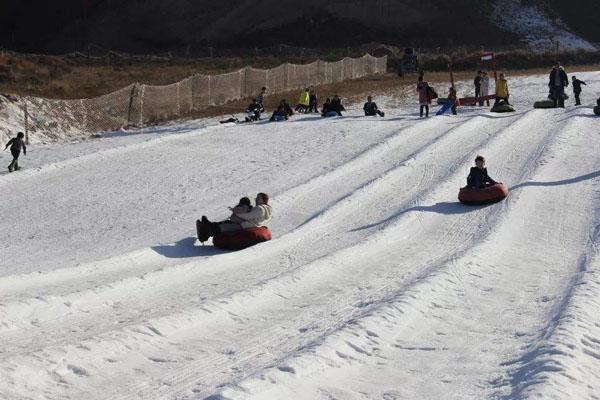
{"x": 202, "y": 230}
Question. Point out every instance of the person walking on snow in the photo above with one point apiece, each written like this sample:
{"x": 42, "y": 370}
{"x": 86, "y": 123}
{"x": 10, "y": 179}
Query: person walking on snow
{"x": 558, "y": 82}
{"x": 478, "y": 176}
{"x": 424, "y": 99}
{"x": 453, "y": 98}
{"x": 502, "y": 92}
{"x": 260, "y": 99}
{"x": 485, "y": 88}
{"x": 313, "y": 102}
{"x": 258, "y": 216}
{"x": 371, "y": 109}
{"x": 577, "y": 89}
{"x": 16, "y": 144}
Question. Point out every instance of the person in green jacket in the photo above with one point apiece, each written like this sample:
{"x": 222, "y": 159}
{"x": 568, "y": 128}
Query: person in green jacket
{"x": 304, "y": 101}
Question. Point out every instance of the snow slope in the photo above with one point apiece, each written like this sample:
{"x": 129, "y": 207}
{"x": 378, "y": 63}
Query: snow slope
{"x": 377, "y": 284}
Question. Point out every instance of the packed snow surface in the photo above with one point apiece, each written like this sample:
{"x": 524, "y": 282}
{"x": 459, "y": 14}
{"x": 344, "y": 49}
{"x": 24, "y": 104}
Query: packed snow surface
{"x": 377, "y": 284}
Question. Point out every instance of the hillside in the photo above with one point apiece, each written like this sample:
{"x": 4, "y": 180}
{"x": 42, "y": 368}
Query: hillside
{"x": 377, "y": 284}
{"x": 160, "y": 25}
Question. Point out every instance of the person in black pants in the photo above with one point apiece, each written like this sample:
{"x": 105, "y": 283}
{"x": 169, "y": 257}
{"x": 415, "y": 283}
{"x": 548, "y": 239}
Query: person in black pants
{"x": 577, "y": 89}
{"x": 16, "y": 144}
{"x": 477, "y": 83}
{"x": 371, "y": 109}
{"x": 558, "y": 82}
{"x": 478, "y": 176}
{"x": 313, "y": 106}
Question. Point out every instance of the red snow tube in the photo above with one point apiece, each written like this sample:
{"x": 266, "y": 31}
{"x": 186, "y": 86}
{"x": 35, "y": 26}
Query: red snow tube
{"x": 238, "y": 240}
{"x": 488, "y": 195}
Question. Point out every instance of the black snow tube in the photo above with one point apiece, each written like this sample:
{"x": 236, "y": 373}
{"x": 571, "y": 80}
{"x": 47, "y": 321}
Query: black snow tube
{"x": 487, "y": 195}
{"x": 502, "y": 108}
{"x": 597, "y": 110}
{"x": 543, "y": 104}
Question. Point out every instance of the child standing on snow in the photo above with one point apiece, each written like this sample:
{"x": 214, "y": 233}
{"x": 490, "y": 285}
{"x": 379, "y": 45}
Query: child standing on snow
{"x": 424, "y": 99}
{"x": 244, "y": 206}
{"x": 577, "y": 89}
{"x": 453, "y": 97}
{"x": 16, "y": 144}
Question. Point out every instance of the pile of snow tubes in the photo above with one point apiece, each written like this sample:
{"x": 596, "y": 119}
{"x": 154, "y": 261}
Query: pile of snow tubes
{"x": 488, "y": 195}
{"x": 502, "y": 108}
{"x": 238, "y": 240}
{"x": 543, "y": 104}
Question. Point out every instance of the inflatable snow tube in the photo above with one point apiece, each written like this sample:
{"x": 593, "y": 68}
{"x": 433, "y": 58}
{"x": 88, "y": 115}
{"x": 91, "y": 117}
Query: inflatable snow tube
{"x": 487, "y": 195}
{"x": 238, "y": 240}
{"x": 442, "y": 100}
{"x": 330, "y": 114}
{"x": 597, "y": 110}
{"x": 277, "y": 118}
{"x": 502, "y": 108}
{"x": 543, "y": 104}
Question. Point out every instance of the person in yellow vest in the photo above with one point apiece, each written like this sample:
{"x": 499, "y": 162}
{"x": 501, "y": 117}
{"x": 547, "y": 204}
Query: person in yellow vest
{"x": 304, "y": 101}
{"x": 502, "y": 90}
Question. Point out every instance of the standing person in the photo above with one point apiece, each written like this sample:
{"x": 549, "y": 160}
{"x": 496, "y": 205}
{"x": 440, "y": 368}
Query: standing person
{"x": 453, "y": 98}
{"x": 558, "y": 82}
{"x": 260, "y": 99}
{"x": 502, "y": 92}
{"x": 424, "y": 99}
{"x": 371, "y": 109}
{"x": 485, "y": 88}
{"x": 577, "y": 89}
{"x": 477, "y": 83}
{"x": 16, "y": 144}
{"x": 313, "y": 106}
{"x": 303, "y": 101}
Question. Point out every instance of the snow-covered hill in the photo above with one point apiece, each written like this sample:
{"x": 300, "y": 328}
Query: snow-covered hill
{"x": 377, "y": 284}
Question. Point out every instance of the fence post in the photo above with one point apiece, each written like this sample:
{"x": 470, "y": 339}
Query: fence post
{"x": 26, "y": 118}
{"x": 178, "y": 99}
{"x": 131, "y": 96}
{"x": 209, "y": 89}
{"x": 142, "y": 106}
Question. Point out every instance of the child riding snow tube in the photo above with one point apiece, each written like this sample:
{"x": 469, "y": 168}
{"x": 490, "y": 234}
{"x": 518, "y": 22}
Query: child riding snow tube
{"x": 487, "y": 195}
{"x": 238, "y": 240}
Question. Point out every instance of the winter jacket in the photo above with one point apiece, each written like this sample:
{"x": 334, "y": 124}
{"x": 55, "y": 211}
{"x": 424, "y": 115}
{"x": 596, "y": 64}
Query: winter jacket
{"x": 239, "y": 209}
{"x": 558, "y": 77}
{"x": 304, "y": 98}
{"x": 502, "y": 88}
{"x": 477, "y": 82}
{"x": 479, "y": 178}
{"x": 577, "y": 85}
{"x": 423, "y": 95}
{"x": 16, "y": 145}
{"x": 257, "y": 217}
{"x": 370, "y": 108}
{"x": 283, "y": 110}
{"x": 336, "y": 105}
{"x": 485, "y": 86}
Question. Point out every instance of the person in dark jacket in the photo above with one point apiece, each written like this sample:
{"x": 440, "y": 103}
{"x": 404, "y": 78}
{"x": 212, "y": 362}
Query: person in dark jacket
{"x": 477, "y": 83}
{"x": 16, "y": 144}
{"x": 336, "y": 105}
{"x": 325, "y": 109}
{"x": 283, "y": 111}
{"x": 371, "y": 109}
{"x": 313, "y": 102}
{"x": 478, "y": 175}
{"x": 577, "y": 89}
{"x": 260, "y": 99}
{"x": 558, "y": 82}
{"x": 253, "y": 111}
{"x": 453, "y": 97}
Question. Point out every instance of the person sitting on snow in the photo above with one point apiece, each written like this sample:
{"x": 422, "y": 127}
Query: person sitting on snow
{"x": 502, "y": 93}
{"x": 304, "y": 101}
{"x": 16, "y": 144}
{"x": 283, "y": 111}
{"x": 326, "y": 106}
{"x": 478, "y": 176}
{"x": 336, "y": 105}
{"x": 371, "y": 109}
{"x": 259, "y": 215}
{"x": 253, "y": 111}
{"x": 577, "y": 89}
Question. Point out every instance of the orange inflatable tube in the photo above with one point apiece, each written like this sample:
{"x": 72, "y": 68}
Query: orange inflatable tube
{"x": 238, "y": 240}
{"x": 487, "y": 195}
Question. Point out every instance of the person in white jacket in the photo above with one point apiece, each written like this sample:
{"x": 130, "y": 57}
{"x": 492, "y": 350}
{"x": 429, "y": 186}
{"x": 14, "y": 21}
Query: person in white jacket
{"x": 258, "y": 216}
{"x": 485, "y": 87}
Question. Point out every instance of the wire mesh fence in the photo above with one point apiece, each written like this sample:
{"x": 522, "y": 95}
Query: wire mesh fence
{"x": 140, "y": 105}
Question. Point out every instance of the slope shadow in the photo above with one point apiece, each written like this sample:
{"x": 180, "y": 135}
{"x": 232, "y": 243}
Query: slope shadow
{"x": 445, "y": 207}
{"x": 570, "y": 181}
{"x": 186, "y": 248}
